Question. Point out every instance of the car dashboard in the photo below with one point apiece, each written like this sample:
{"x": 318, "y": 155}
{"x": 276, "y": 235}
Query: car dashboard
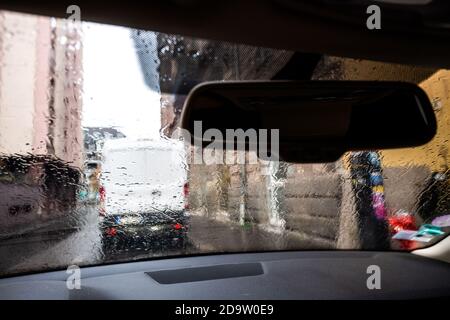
{"x": 246, "y": 276}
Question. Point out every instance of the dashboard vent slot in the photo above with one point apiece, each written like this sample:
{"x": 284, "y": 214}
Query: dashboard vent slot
{"x": 216, "y": 272}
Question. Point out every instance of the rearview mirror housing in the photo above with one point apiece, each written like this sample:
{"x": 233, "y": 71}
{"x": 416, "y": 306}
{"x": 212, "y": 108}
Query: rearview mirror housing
{"x": 315, "y": 121}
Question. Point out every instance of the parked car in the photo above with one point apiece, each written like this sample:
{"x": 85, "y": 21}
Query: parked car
{"x": 32, "y": 195}
{"x": 155, "y": 231}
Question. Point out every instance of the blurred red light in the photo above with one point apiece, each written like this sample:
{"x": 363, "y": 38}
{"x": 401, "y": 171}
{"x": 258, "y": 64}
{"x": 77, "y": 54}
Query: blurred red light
{"x": 177, "y": 226}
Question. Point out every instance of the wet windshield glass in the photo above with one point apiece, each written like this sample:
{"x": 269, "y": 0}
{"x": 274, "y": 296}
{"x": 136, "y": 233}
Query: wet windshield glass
{"x": 92, "y": 170}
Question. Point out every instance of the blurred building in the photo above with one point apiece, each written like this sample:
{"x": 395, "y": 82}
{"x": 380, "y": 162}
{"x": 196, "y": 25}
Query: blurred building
{"x": 41, "y": 140}
{"x": 40, "y": 87}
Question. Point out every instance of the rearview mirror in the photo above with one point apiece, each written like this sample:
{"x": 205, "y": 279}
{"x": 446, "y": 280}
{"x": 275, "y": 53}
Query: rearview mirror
{"x": 314, "y": 121}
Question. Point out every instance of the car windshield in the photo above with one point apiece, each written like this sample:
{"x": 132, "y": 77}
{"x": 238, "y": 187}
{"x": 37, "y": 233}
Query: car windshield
{"x": 92, "y": 170}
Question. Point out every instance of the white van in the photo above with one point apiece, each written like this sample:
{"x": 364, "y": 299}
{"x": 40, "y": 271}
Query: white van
{"x": 144, "y": 176}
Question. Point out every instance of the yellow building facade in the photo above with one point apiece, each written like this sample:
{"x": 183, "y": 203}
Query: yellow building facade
{"x": 436, "y": 154}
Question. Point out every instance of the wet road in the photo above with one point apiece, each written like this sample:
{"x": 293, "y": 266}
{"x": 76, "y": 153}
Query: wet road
{"x": 52, "y": 250}
{"x": 83, "y": 246}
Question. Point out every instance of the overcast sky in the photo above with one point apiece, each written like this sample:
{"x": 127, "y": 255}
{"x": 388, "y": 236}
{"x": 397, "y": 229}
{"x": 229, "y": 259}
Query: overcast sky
{"x": 114, "y": 90}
